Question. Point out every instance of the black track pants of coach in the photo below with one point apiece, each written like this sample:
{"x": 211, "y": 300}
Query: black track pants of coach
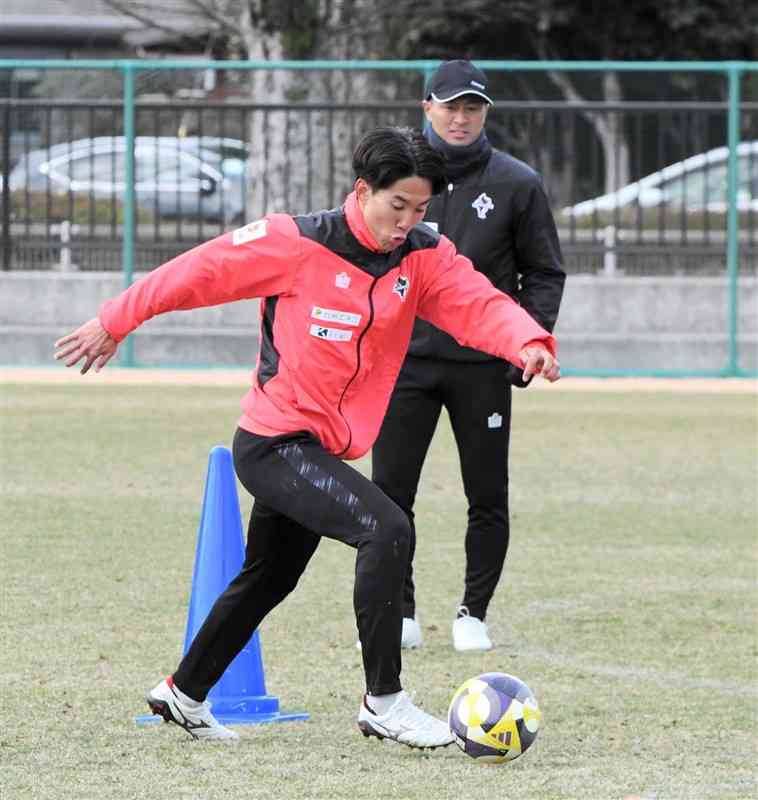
{"x": 302, "y": 493}
{"x": 478, "y": 400}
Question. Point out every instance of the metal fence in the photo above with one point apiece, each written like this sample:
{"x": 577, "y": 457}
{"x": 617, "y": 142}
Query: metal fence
{"x": 66, "y": 188}
{"x": 127, "y": 184}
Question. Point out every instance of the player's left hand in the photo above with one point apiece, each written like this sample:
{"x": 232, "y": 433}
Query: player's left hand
{"x": 538, "y": 361}
{"x": 89, "y": 341}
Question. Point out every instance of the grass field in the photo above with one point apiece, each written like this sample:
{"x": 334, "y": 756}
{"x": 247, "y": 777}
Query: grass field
{"x": 629, "y": 605}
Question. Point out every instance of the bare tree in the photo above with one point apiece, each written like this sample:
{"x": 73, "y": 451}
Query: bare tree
{"x": 608, "y": 126}
{"x": 300, "y": 154}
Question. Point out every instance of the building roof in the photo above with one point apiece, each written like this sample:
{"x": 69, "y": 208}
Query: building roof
{"x": 94, "y": 22}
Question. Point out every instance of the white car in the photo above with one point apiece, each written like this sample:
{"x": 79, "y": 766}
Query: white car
{"x": 697, "y": 184}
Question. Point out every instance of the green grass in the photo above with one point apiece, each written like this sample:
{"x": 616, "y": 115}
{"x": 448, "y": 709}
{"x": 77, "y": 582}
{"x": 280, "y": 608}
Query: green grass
{"x": 628, "y": 604}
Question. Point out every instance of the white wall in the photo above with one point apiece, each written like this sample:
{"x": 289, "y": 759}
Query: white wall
{"x": 606, "y": 323}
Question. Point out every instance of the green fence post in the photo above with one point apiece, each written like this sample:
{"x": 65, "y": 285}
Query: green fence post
{"x": 5, "y": 161}
{"x": 128, "y": 231}
{"x": 732, "y": 219}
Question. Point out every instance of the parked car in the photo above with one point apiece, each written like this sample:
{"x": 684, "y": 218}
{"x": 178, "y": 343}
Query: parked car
{"x": 189, "y": 177}
{"x": 697, "y": 186}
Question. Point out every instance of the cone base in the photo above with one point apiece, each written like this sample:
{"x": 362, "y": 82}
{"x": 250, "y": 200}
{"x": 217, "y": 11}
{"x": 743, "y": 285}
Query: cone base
{"x": 237, "y": 719}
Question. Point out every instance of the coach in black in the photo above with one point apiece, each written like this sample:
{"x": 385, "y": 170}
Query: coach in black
{"x": 496, "y": 212}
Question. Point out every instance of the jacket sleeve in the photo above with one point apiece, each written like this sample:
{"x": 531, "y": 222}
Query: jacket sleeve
{"x": 258, "y": 260}
{"x": 539, "y": 263}
{"x": 539, "y": 259}
{"x": 461, "y": 301}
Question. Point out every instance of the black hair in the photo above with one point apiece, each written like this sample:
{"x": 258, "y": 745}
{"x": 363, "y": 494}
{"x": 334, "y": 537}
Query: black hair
{"x": 389, "y": 154}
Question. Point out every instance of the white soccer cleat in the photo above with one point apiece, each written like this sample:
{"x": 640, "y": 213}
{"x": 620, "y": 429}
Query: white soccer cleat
{"x": 405, "y": 723}
{"x": 470, "y": 633}
{"x": 412, "y": 636}
{"x": 196, "y": 719}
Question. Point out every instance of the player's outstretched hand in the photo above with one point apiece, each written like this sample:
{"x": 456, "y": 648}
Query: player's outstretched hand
{"x": 90, "y": 342}
{"x": 538, "y": 361}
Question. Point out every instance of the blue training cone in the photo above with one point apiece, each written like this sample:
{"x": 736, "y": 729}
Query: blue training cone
{"x": 239, "y": 697}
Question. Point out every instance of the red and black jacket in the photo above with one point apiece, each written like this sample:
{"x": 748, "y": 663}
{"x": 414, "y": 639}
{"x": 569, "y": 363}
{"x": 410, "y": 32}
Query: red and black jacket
{"x": 336, "y": 318}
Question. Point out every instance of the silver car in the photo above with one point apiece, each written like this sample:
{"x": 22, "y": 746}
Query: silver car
{"x": 696, "y": 186}
{"x": 189, "y": 177}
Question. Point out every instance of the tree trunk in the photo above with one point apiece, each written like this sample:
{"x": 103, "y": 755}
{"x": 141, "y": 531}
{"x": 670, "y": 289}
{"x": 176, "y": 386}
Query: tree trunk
{"x": 608, "y": 127}
{"x": 267, "y": 171}
{"x": 301, "y": 158}
{"x": 612, "y": 137}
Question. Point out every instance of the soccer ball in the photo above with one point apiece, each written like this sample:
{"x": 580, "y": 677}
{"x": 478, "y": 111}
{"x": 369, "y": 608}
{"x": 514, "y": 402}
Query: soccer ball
{"x": 494, "y": 717}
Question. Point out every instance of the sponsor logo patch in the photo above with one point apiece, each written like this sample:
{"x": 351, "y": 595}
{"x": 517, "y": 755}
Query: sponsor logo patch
{"x": 495, "y": 420}
{"x": 332, "y": 334}
{"x": 253, "y": 230}
{"x": 334, "y": 315}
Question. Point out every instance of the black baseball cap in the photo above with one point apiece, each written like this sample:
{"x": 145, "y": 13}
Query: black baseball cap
{"x": 454, "y": 79}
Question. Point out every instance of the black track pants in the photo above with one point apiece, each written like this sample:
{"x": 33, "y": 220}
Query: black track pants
{"x": 301, "y": 494}
{"x": 477, "y": 397}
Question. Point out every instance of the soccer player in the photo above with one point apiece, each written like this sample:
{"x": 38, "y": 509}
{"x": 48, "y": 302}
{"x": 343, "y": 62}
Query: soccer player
{"x": 340, "y": 291}
{"x": 494, "y": 209}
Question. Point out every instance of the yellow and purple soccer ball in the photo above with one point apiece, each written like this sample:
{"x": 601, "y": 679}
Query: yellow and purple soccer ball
{"x": 494, "y": 717}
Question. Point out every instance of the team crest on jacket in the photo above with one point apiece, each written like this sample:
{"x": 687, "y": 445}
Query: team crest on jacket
{"x": 483, "y": 205}
{"x": 401, "y": 286}
{"x": 342, "y": 280}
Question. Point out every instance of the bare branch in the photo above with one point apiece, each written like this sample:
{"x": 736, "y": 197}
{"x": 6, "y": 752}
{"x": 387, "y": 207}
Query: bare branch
{"x": 225, "y": 21}
{"x": 128, "y": 10}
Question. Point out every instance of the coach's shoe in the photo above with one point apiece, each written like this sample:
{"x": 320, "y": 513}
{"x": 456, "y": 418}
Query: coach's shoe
{"x": 405, "y": 723}
{"x": 412, "y": 637}
{"x": 470, "y": 633}
{"x": 194, "y": 717}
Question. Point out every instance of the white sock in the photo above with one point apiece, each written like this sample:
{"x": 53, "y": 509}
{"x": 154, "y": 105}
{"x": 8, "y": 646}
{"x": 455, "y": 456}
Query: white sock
{"x": 380, "y": 704}
{"x": 186, "y": 699}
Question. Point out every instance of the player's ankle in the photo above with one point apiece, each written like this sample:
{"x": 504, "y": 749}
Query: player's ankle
{"x": 380, "y": 704}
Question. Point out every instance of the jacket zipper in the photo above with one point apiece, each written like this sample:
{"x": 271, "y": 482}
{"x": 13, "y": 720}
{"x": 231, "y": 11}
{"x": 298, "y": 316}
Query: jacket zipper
{"x": 445, "y": 198}
{"x": 357, "y": 367}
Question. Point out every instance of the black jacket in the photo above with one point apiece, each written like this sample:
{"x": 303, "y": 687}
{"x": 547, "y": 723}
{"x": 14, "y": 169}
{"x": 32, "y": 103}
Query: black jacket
{"x": 499, "y": 216}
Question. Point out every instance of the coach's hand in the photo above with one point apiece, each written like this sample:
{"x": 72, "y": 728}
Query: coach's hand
{"x": 538, "y": 361}
{"x": 91, "y": 342}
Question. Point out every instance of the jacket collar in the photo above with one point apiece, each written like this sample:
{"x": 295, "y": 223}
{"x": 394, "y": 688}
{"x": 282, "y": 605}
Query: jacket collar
{"x": 460, "y": 160}
{"x": 357, "y": 223}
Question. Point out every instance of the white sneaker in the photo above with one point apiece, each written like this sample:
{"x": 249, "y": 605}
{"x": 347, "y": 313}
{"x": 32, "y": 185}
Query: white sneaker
{"x": 197, "y": 719}
{"x": 412, "y": 637}
{"x": 470, "y": 633}
{"x": 405, "y": 723}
